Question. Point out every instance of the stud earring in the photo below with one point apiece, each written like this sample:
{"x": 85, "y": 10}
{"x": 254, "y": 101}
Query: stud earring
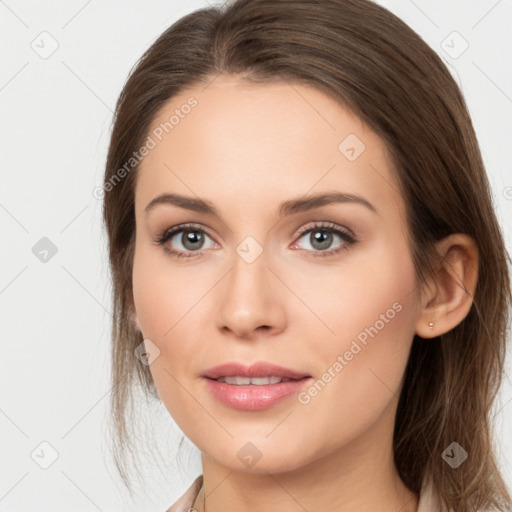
{"x": 431, "y": 325}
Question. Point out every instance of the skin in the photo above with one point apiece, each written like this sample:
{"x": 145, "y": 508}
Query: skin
{"x": 246, "y": 148}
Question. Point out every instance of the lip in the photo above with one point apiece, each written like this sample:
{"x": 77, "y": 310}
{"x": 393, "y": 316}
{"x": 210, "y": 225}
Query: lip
{"x": 260, "y": 369}
{"x": 252, "y": 397}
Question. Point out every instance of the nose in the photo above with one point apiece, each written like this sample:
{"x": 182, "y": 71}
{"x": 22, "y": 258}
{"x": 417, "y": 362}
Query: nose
{"x": 251, "y": 300}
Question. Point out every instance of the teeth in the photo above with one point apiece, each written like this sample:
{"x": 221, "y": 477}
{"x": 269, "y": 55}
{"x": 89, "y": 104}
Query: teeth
{"x": 257, "y": 381}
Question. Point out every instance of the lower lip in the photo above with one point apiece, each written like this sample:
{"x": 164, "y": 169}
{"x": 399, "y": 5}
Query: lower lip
{"x": 251, "y": 397}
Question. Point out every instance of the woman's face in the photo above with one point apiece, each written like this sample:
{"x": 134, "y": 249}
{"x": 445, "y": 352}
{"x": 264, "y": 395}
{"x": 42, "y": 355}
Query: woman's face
{"x": 272, "y": 273}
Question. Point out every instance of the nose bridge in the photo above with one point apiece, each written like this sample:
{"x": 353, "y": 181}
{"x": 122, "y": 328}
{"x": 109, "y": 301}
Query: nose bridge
{"x": 250, "y": 298}
{"x": 249, "y": 266}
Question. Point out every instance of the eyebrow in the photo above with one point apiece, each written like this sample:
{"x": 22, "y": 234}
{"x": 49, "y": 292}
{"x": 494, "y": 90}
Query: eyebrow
{"x": 287, "y": 208}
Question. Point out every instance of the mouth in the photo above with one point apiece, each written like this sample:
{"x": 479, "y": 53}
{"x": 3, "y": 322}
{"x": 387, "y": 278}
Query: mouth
{"x": 255, "y": 387}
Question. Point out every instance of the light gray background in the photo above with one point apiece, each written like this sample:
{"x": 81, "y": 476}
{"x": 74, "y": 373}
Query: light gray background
{"x": 55, "y": 117}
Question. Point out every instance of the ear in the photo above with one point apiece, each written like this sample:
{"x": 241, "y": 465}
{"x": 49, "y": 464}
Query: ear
{"x": 133, "y": 317}
{"x": 449, "y": 295}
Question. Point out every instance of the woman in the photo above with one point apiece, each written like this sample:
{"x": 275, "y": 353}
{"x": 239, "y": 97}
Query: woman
{"x": 336, "y": 337}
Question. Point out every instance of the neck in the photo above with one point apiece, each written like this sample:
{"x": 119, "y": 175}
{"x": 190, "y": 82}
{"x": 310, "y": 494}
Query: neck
{"x": 361, "y": 478}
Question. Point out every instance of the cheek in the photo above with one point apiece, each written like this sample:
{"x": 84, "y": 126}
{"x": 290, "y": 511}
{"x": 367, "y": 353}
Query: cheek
{"x": 167, "y": 301}
{"x": 161, "y": 296}
{"x": 161, "y": 301}
{"x": 372, "y": 311}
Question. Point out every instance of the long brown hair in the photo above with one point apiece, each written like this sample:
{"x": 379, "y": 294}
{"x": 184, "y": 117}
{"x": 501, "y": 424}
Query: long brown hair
{"x": 374, "y": 64}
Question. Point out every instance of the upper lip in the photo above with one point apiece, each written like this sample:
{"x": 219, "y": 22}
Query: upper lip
{"x": 260, "y": 369}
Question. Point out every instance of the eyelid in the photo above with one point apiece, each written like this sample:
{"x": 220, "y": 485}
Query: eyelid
{"x": 190, "y": 226}
{"x": 345, "y": 234}
{"x": 327, "y": 225}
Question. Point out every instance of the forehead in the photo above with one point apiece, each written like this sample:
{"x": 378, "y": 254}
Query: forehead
{"x": 231, "y": 138}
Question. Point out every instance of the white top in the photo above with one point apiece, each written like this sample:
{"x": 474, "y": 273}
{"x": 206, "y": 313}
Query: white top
{"x": 186, "y": 501}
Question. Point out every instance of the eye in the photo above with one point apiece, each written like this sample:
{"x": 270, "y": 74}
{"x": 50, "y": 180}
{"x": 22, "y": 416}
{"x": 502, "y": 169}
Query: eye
{"x": 322, "y": 236}
{"x": 188, "y": 239}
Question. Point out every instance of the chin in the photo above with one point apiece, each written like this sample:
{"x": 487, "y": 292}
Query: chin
{"x": 257, "y": 455}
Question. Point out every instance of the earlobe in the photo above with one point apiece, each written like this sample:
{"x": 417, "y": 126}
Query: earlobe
{"x": 134, "y": 319}
{"x": 451, "y": 293}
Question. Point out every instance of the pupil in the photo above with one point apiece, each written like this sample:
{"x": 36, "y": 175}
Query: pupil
{"x": 192, "y": 237}
{"x": 324, "y": 240}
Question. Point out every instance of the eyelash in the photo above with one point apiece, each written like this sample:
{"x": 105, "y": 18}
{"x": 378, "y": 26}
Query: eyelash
{"x": 348, "y": 239}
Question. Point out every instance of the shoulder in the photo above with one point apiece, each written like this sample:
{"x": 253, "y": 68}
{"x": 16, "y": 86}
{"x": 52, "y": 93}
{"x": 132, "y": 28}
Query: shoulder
{"x": 185, "y": 502}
